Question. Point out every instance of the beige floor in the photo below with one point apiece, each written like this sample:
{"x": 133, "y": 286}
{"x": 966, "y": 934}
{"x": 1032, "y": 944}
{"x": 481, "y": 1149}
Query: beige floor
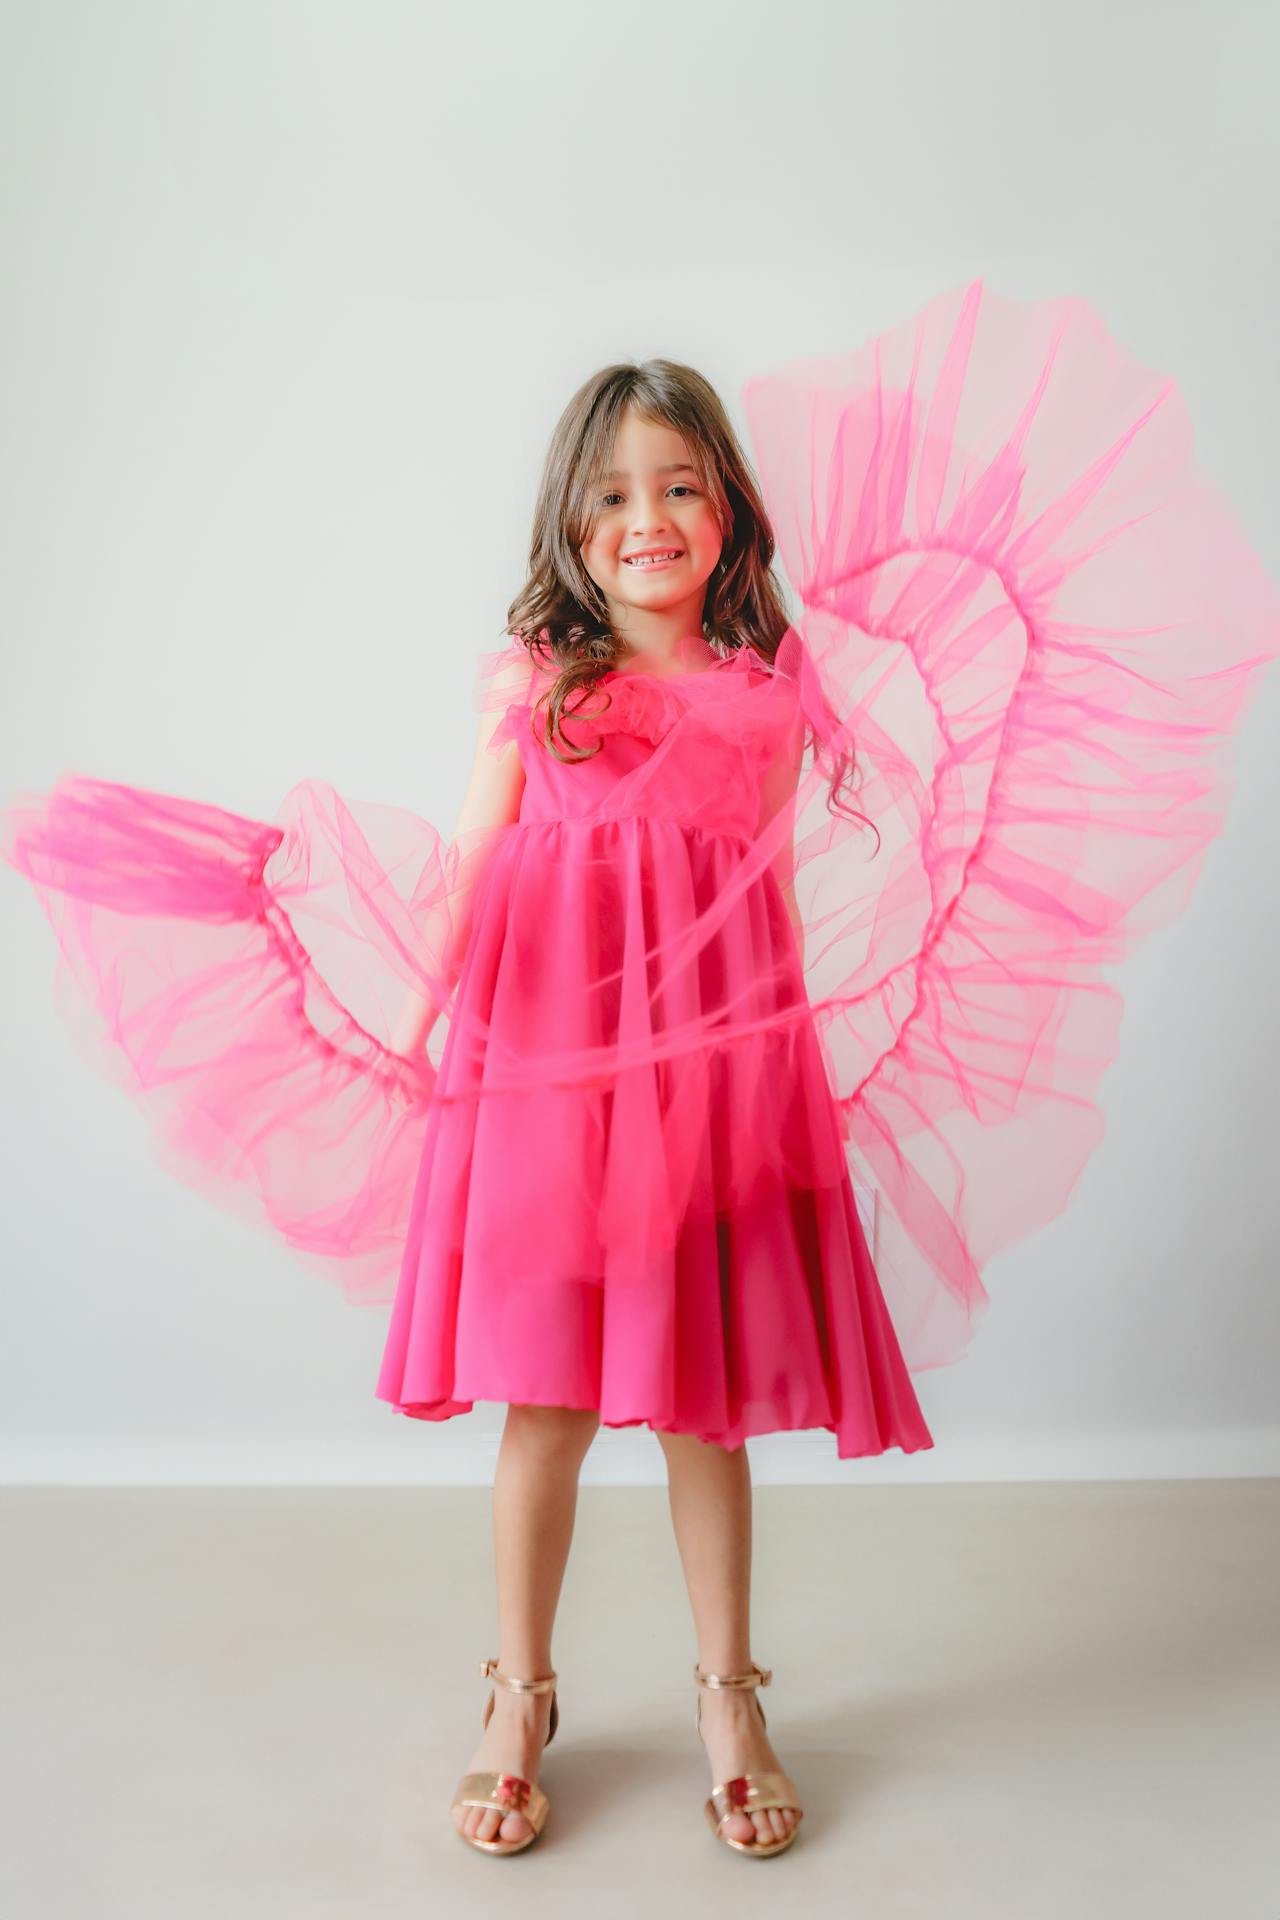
{"x": 1025, "y": 1701}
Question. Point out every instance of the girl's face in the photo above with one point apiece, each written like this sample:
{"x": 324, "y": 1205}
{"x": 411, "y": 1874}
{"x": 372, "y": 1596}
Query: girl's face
{"x": 652, "y": 502}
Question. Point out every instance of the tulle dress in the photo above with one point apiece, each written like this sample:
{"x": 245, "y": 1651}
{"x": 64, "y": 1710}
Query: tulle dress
{"x": 661, "y": 1158}
{"x": 633, "y": 1194}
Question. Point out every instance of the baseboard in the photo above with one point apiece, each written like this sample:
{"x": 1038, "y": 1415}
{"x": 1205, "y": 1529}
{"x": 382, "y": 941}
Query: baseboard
{"x": 420, "y": 1453}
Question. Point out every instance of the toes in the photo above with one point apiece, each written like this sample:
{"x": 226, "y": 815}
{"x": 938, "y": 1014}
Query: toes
{"x": 489, "y": 1823}
{"x": 773, "y": 1823}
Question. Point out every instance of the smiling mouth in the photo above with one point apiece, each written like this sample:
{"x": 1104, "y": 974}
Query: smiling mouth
{"x": 654, "y": 559}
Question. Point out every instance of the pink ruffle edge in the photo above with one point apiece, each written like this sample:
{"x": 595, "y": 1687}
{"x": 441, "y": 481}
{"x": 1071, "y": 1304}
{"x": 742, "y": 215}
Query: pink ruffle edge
{"x": 1039, "y": 628}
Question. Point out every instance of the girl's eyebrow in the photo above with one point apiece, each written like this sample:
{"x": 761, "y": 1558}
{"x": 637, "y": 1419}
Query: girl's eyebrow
{"x": 673, "y": 466}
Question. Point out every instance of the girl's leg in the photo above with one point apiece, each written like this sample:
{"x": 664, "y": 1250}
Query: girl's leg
{"x": 709, "y": 1489}
{"x": 535, "y": 1492}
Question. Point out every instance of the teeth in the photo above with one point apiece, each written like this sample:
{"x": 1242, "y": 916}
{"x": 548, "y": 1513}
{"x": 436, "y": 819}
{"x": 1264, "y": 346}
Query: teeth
{"x": 648, "y": 559}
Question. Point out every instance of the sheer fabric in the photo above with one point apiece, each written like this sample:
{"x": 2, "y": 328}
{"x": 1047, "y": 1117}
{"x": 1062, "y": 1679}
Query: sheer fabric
{"x": 1037, "y": 629}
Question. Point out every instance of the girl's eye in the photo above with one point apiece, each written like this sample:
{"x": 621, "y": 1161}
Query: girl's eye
{"x": 678, "y": 486}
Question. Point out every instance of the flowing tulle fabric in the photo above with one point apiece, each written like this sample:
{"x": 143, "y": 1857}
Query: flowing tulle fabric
{"x": 239, "y": 980}
{"x": 1036, "y": 628}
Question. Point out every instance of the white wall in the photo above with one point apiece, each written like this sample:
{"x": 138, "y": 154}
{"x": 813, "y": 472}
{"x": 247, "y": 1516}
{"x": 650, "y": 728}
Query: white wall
{"x": 294, "y": 295}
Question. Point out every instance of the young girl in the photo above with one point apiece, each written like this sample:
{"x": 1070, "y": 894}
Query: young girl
{"x": 694, "y": 992}
{"x": 651, "y": 1219}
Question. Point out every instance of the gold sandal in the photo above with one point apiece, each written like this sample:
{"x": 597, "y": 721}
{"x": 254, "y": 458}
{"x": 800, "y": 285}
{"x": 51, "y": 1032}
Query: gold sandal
{"x": 749, "y": 1792}
{"x": 507, "y": 1792}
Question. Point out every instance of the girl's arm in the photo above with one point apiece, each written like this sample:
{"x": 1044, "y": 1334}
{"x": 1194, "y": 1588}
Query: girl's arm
{"x": 793, "y": 910}
{"x": 491, "y": 800}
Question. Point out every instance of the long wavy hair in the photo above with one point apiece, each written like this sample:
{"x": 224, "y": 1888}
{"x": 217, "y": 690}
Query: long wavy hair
{"x": 561, "y": 616}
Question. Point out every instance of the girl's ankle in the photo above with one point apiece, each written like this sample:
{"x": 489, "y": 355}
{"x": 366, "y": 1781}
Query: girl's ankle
{"x": 531, "y": 1708}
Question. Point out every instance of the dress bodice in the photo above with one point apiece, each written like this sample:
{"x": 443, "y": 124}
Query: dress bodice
{"x": 690, "y": 747}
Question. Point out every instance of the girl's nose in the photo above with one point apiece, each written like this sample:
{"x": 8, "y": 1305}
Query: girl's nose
{"x": 651, "y": 519}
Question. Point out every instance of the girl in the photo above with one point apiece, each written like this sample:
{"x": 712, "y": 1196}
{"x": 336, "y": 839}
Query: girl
{"x": 652, "y": 1220}
{"x": 692, "y": 989}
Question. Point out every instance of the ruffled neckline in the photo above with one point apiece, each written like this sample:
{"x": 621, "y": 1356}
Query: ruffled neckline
{"x": 649, "y": 704}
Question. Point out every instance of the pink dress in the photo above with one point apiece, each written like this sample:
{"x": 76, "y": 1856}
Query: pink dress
{"x": 628, "y": 1173}
{"x": 612, "y": 1211}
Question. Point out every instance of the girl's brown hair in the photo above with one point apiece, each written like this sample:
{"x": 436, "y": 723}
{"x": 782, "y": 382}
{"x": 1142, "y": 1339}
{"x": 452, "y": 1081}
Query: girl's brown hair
{"x": 560, "y": 614}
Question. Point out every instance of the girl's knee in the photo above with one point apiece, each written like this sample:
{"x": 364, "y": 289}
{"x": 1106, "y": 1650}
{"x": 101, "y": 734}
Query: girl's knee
{"x": 701, "y": 1455}
{"x": 555, "y": 1430}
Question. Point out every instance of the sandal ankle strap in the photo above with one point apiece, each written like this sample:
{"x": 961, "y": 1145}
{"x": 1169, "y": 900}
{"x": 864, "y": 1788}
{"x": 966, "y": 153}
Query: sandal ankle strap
{"x": 758, "y": 1677}
{"x": 489, "y": 1671}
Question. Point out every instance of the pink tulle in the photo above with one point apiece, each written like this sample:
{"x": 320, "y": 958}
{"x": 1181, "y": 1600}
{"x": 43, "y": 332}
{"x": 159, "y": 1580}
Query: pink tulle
{"x": 239, "y": 979}
{"x": 1042, "y": 627}
{"x": 628, "y": 1183}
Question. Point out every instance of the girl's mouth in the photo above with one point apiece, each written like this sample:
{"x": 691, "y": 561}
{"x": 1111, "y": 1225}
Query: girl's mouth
{"x": 647, "y": 561}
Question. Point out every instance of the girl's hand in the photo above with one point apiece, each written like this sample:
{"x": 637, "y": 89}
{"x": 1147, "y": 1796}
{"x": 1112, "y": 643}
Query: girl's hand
{"x": 404, "y": 1091}
{"x": 401, "y": 1096}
